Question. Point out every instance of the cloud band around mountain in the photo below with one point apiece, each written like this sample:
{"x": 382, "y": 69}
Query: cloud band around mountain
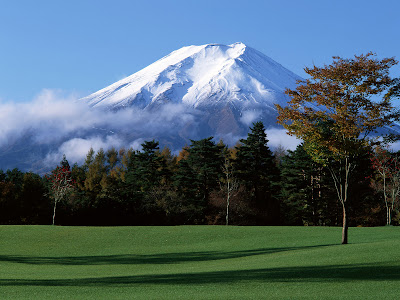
{"x": 69, "y": 126}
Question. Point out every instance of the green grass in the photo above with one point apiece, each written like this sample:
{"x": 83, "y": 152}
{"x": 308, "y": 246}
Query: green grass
{"x": 198, "y": 262}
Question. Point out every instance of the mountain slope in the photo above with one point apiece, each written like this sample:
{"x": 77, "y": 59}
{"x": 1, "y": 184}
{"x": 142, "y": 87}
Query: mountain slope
{"x": 192, "y": 93}
{"x": 202, "y": 76}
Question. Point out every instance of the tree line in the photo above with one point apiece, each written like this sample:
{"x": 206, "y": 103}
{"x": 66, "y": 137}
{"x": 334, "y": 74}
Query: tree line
{"x": 206, "y": 183}
{"x": 342, "y": 113}
{"x": 343, "y": 109}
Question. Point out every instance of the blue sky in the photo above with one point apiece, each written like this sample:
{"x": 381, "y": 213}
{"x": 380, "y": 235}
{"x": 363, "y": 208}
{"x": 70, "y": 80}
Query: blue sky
{"x": 82, "y": 46}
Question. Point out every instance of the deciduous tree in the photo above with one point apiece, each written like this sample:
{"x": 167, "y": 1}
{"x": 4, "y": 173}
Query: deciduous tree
{"x": 61, "y": 184}
{"x": 229, "y": 182}
{"x": 336, "y": 111}
{"x": 387, "y": 165}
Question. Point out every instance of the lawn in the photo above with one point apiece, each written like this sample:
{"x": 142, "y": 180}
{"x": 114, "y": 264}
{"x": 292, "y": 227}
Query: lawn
{"x": 198, "y": 262}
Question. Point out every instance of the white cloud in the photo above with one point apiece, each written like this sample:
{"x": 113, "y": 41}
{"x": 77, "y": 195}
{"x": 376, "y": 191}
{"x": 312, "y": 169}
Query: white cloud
{"x": 250, "y": 116}
{"x": 49, "y": 117}
{"x": 137, "y": 144}
{"x": 279, "y": 137}
{"x": 55, "y": 119}
{"x": 395, "y": 146}
{"x": 76, "y": 149}
{"x": 69, "y": 126}
{"x": 229, "y": 139}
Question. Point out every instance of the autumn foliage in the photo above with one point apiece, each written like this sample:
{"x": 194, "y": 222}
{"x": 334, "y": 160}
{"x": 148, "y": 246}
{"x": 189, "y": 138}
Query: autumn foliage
{"x": 61, "y": 184}
{"x": 337, "y": 109}
{"x": 338, "y": 113}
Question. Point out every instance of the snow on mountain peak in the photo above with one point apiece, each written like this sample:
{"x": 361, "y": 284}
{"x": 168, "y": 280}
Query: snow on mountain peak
{"x": 201, "y": 76}
{"x": 209, "y": 90}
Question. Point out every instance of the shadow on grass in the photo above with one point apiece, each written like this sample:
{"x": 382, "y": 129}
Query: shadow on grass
{"x": 164, "y": 258}
{"x": 337, "y": 273}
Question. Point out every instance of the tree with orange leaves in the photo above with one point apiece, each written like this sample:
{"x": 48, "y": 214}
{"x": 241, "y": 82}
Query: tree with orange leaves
{"x": 338, "y": 112}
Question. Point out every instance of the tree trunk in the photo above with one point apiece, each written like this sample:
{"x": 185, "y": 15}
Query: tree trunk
{"x": 345, "y": 226}
{"x": 54, "y": 211}
{"x": 227, "y": 209}
{"x": 386, "y": 200}
{"x": 341, "y": 185}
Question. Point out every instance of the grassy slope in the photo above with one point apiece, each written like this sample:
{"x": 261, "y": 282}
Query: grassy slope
{"x": 198, "y": 262}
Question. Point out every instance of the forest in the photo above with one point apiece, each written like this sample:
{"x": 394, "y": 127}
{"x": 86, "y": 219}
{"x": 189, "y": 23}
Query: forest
{"x": 205, "y": 183}
{"x": 342, "y": 174}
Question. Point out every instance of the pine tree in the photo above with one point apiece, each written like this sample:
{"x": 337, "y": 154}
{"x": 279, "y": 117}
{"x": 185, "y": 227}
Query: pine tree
{"x": 64, "y": 163}
{"x": 198, "y": 174}
{"x": 256, "y": 168}
{"x": 146, "y": 171}
{"x": 304, "y": 192}
{"x": 205, "y": 158}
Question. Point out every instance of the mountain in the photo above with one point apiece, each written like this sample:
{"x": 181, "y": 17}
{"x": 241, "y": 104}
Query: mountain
{"x": 202, "y": 76}
{"x": 232, "y": 85}
{"x": 192, "y": 93}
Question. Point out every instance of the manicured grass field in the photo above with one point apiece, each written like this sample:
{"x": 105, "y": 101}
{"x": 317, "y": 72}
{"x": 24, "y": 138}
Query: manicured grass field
{"x": 198, "y": 262}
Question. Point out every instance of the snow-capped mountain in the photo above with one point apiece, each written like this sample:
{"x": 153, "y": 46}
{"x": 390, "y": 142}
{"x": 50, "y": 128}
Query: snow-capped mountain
{"x": 230, "y": 85}
{"x": 192, "y": 93}
{"x": 202, "y": 76}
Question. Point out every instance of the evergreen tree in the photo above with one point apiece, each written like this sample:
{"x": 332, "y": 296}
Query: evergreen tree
{"x": 150, "y": 166}
{"x": 146, "y": 171}
{"x": 306, "y": 190}
{"x": 198, "y": 175}
{"x": 65, "y": 164}
{"x": 2, "y": 176}
{"x": 36, "y": 206}
{"x": 205, "y": 158}
{"x": 185, "y": 180}
{"x": 171, "y": 162}
{"x": 16, "y": 177}
{"x": 10, "y": 196}
{"x": 256, "y": 168}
